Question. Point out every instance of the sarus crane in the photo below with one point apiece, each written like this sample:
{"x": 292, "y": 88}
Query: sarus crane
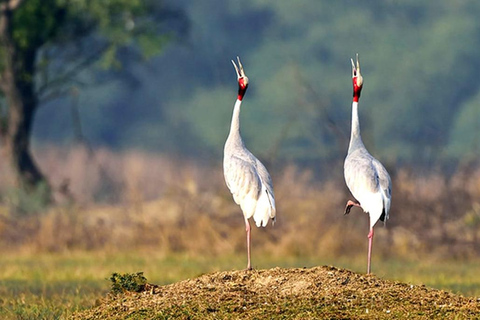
{"x": 366, "y": 178}
{"x": 246, "y": 177}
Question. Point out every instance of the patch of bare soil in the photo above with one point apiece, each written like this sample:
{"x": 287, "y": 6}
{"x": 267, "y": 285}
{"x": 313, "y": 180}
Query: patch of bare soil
{"x": 314, "y": 293}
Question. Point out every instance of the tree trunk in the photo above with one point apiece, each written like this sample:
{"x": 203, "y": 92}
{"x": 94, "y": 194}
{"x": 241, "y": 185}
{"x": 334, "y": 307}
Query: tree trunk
{"x": 18, "y": 86}
{"x": 22, "y": 105}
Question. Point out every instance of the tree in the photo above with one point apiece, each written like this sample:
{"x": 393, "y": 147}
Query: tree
{"x": 46, "y": 44}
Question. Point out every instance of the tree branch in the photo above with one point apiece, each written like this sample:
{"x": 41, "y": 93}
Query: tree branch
{"x": 68, "y": 75}
{"x": 54, "y": 94}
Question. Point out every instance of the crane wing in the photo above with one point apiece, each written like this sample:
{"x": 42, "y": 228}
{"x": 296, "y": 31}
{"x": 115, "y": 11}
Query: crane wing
{"x": 241, "y": 178}
{"x": 267, "y": 207}
{"x": 266, "y": 179}
{"x": 360, "y": 174}
{"x": 251, "y": 187}
{"x": 369, "y": 182}
{"x": 385, "y": 184}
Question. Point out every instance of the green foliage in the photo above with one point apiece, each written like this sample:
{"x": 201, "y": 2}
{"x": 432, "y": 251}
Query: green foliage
{"x": 219, "y": 107}
{"x": 419, "y": 60}
{"x": 45, "y": 45}
{"x": 41, "y": 24}
{"x": 418, "y": 75}
{"x": 151, "y": 45}
{"x": 123, "y": 23}
{"x": 465, "y": 133}
{"x": 36, "y": 22}
{"x": 133, "y": 282}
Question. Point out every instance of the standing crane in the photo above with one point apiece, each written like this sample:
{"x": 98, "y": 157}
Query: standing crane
{"x": 246, "y": 177}
{"x": 366, "y": 178}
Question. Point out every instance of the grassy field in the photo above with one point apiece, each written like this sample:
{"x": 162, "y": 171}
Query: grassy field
{"x": 52, "y": 286}
{"x": 181, "y": 213}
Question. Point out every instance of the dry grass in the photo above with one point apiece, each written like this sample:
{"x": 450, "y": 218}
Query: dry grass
{"x": 136, "y": 200}
{"x": 315, "y": 293}
{"x": 149, "y": 208}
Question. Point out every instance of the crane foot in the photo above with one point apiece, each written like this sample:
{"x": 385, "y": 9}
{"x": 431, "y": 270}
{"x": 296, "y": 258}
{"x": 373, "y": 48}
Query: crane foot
{"x": 351, "y": 204}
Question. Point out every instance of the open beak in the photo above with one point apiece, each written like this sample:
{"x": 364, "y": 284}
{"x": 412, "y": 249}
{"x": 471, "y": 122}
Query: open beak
{"x": 239, "y": 69}
{"x": 356, "y": 71}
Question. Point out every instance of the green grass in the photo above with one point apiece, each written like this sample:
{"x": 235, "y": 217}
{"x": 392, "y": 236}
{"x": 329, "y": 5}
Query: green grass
{"x": 52, "y": 286}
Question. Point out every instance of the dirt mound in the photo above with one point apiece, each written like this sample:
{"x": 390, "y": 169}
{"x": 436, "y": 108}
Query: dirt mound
{"x": 315, "y": 293}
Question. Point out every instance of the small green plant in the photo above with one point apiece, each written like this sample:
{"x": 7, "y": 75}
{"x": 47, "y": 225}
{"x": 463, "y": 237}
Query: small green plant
{"x": 133, "y": 282}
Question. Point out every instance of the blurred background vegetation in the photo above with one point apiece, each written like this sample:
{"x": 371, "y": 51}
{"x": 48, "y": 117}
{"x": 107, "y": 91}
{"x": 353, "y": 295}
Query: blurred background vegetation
{"x": 418, "y": 106}
{"x": 130, "y": 136}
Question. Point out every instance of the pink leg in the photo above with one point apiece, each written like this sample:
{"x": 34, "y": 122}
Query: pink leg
{"x": 349, "y": 206}
{"x": 370, "y": 242}
{"x": 247, "y": 228}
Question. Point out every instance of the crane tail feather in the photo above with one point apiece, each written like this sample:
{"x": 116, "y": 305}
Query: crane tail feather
{"x": 265, "y": 209}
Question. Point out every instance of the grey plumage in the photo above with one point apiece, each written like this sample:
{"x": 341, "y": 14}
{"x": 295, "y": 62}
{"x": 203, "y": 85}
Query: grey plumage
{"x": 248, "y": 181}
{"x": 246, "y": 177}
{"x": 366, "y": 178}
{"x": 369, "y": 182}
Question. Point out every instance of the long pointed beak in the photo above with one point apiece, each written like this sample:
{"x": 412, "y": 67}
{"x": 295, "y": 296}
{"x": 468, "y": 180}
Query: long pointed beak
{"x": 355, "y": 69}
{"x": 236, "y": 69}
{"x": 358, "y": 64}
{"x": 242, "y": 73}
{"x": 239, "y": 69}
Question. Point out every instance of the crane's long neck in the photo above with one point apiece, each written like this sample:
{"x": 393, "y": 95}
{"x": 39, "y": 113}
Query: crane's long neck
{"x": 234, "y": 136}
{"x": 355, "y": 137}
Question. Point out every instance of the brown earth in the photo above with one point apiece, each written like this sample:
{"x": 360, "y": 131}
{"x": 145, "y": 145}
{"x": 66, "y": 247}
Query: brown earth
{"x": 313, "y": 293}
